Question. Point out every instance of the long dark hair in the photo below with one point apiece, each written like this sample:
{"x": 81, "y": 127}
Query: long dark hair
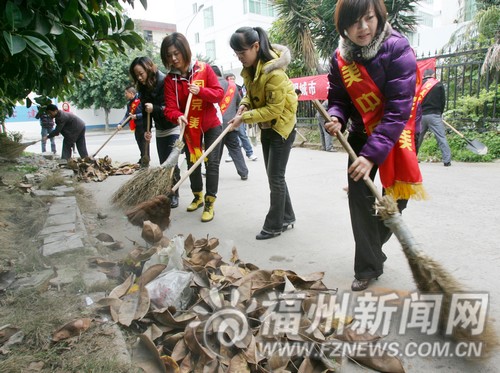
{"x": 243, "y": 39}
{"x": 151, "y": 69}
{"x": 180, "y": 42}
{"x": 347, "y": 12}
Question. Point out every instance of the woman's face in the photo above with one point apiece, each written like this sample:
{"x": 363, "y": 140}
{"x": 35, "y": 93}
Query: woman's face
{"x": 364, "y": 29}
{"x": 248, "y": 57}
{"x": 175, "y": 58}
{"x": 140, "y": 74}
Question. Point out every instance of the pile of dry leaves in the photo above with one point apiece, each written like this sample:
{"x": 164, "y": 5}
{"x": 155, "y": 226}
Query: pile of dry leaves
{"x": 224, "y": 316}
{"x": 87, "y": 169}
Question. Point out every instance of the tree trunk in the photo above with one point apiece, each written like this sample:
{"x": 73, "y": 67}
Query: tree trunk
{"x": 106, "y": 119}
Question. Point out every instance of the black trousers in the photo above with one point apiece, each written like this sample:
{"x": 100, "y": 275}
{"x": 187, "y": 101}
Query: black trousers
{"x": 81, "y": 145}
{"x": 369, "y": 230}
{"x": 211, "y": 165}
{"x": 276, "y": 151}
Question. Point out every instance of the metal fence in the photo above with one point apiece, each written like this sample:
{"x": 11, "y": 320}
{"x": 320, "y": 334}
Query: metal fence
{"x": 460, "y": 72}
{"x": 472, "y": 97}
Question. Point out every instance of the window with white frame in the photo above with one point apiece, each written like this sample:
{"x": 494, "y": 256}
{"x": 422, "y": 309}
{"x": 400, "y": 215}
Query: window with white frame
{"x": 262, "y": 7}
{"x": 208, "y": 17}
{"x": 210, "y": 50}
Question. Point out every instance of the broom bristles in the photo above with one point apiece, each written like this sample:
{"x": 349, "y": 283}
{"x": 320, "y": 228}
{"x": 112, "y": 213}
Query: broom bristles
{"x": 144, "y": 185}
{"x": 156, "y": 210}
{"x": 431, "y": 277}
{"x": 12, "y": 149}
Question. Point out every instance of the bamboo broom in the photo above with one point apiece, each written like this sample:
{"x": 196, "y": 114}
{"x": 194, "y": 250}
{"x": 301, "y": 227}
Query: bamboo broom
{"x": 429, "y": 275}
{"x": 13, "y": 149}
{"x": 153, "y": 181}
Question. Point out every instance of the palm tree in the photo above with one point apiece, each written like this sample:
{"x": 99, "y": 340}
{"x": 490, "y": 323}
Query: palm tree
{"x": 307, "y": 27}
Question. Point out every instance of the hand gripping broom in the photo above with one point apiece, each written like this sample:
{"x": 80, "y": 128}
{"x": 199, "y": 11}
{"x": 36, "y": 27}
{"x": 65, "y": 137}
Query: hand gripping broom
{"x": 157, "y": 209}
{"x": 153, "y": 181}
{"x": 429, "y": 275}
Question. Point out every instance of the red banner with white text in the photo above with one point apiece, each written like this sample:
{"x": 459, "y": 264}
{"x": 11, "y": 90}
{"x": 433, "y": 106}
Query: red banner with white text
{"x": 316, "y": 87}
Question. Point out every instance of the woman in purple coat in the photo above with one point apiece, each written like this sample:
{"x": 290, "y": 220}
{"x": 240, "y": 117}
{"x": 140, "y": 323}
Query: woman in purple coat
{"x": 373, "y": 80}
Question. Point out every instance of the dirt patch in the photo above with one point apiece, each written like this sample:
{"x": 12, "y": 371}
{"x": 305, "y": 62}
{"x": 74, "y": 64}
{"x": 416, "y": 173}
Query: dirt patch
{"x": 38, "y": 312}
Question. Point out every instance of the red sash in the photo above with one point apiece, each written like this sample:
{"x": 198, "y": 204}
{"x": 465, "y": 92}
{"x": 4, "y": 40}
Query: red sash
{"x": 228, "y": 96}
{"x": 399, "y": 173}
{"x": 426, "y": 87}
{"x": 192, "y": 133}
{"x": 133, "y": 108}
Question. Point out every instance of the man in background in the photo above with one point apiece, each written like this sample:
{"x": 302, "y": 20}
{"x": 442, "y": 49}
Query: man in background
{"x": 433, "y": 102}
{"x": 47, "y": 124}
{"x": 72, "y": 128}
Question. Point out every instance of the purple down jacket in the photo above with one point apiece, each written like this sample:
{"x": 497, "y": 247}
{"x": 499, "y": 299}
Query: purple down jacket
{"x": 392, "y": 65}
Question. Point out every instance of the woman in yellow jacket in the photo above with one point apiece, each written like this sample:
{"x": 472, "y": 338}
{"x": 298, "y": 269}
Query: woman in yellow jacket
{"x": 270, "y": 101}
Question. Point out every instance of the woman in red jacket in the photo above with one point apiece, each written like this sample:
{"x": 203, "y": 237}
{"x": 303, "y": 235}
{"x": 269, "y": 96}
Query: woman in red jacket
{"x": 203, "y": 123}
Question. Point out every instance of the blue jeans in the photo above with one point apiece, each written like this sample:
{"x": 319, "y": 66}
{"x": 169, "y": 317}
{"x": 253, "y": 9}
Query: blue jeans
{"x": 234, "y": 149}
{"x": 45, "y": 132}
{"x": 244, "y": 140}
{"x": 211, "y": 166}
{"x": 276, "y": 151}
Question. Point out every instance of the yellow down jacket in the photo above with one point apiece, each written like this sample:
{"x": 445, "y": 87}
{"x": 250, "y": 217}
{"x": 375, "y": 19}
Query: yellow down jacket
{"x": 270, "y": 96}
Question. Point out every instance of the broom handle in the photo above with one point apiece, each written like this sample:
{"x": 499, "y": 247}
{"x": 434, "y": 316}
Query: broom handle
{"x": 369, "y": 182}
{"x": 202, "y": 157}
{"x": 148, "y": 128}
{"x": 114, "y": 133}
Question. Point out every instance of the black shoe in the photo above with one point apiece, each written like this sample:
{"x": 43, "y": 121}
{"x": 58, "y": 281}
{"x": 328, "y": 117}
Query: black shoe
{"x": 447, "y": 164}
{"x": 244, "y": 177}
{"x": 287, "y": 225}
{"x": 359, "y": 285}
{"x": 264, "y": 235}
{"x": 174, "y": 201}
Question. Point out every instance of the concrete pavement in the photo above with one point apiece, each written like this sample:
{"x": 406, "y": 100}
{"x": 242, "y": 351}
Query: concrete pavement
{"x": 457, "y": 226}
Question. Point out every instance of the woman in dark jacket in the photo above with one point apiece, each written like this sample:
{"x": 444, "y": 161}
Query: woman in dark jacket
{"x": 150, "y": 84}
{"x": 373, "y": 82}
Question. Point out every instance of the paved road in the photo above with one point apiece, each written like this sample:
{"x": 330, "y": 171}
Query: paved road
{"x": 457, "y": 226}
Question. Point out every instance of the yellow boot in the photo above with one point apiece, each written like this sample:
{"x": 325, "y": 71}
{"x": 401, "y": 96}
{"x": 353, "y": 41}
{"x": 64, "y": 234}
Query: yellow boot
{"x": 208, "y": 211}
{"x": 197, "y": 202}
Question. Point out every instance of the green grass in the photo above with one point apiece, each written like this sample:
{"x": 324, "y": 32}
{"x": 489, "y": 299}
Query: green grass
{"x": 430, "y": 152}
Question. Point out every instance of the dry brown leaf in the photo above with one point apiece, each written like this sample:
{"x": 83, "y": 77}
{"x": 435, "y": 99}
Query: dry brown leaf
{"x": 101, "y": 262}
{"x": 277, "y": 362}
{"x": 6, "y": 332}
{"x": 186, "y": 365}
{"x": 165, "y": 317}
{"x": 170, "y": 364}
{"x": 104, "y": 237}
{"x": 238, "y": 364}
{"x": 189, "y": 244}
{"x": 383, "y": 362}
{"x": 72, "y": 329}
{"x": 234, "y": 256}
{"x": 123, "y": 288}
{"x": 151, "y": 273}
{"x": 146, "y": 356}
{"x": 134, "y": 307}
{"x": 151, "y": 232}
{"x": 251, "y": 353}
{"x": 180, "y": 350}
{"x": 153, "y": 332}
{"x": 194, "y": 345}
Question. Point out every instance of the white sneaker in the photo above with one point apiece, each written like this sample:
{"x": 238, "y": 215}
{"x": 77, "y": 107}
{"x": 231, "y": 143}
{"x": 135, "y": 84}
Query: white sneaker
{"x": 253, "y": 157}
{"x": 229, "y": 159}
